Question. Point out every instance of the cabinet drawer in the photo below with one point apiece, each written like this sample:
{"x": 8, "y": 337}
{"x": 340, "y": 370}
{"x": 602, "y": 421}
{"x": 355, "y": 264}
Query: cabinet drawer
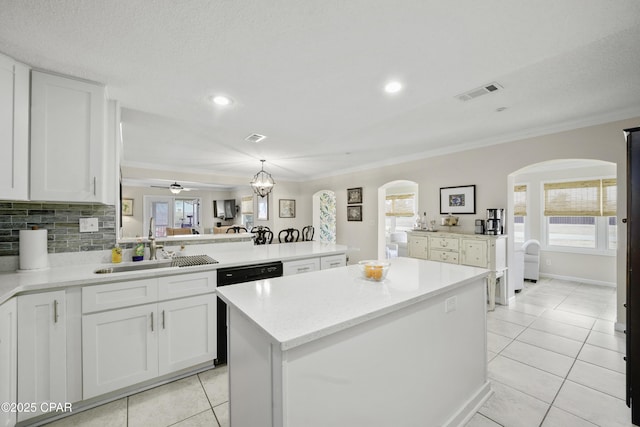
{"x": 185, "y": 285}
{"x": 333, "y": 261}
{"x": 300, "y": 266}
{"x": 117, "y": 295}
{"x": 443, "y": 256}
{"x": 444, "y": 243}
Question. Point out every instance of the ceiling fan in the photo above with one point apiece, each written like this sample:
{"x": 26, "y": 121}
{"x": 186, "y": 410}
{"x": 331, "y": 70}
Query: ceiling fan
{"x": 175, "y": 188}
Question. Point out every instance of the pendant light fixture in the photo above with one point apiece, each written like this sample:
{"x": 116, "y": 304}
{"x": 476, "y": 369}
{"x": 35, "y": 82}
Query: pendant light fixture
{"x": 262, "y": 183}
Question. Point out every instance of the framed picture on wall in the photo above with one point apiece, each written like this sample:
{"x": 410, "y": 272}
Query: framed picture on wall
{"x": 354, "y": 213}
{"x": 127, "y": 207}
{"x": 460, "y": 200}
{"x": 263, "y": 208}
{"x": 287, "y": 208}
{"x": 354, "y": 195}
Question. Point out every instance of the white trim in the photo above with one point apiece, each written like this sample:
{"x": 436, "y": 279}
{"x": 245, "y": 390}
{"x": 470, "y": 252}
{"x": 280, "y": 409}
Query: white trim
{"x": 620, "y": 327}
{"x": 579, "y": 279}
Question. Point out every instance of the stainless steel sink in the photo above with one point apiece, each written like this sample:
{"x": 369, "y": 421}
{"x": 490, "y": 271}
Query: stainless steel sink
{"x": 180, "y": 261}
{"x": 134, "y": 267}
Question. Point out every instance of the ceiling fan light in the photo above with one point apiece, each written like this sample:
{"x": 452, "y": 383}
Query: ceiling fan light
{"x": 262, "y": 182}
{"x": 175, "y": 188}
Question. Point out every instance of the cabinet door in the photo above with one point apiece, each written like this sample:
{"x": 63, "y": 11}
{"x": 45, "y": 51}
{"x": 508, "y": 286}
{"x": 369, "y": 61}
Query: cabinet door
{"x": 300, "y": 266}
{"x": 42, "y": 346}
{"x": 8, "y": 360}
{"x": 184, "y": 285}
{"x": 119, "y": 349}
{"x": 418, "y": 247}
{"x": 474, "y": 252}
{"x": 67, "y": 139}
{"x": 187, "y": 330}
{"x": 14, "y": 130}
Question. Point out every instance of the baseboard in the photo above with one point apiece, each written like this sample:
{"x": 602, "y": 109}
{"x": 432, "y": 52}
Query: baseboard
{"x": 512, "y": 300}
{"x": 579, "y": 279}
{"x": 471, "y": 406}
{"x": 620, "y": 327}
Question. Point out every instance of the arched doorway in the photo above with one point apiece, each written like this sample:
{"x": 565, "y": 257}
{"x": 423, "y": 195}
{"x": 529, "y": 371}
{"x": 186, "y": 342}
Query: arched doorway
{"x": 394, "y": 225}
{"x": 574, "y": 246}
{"x": 324, "y": 215}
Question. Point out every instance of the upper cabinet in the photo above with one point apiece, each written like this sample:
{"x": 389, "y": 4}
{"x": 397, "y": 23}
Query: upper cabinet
{"x": 68, "y": 146}
{"x": 14, "y": 130}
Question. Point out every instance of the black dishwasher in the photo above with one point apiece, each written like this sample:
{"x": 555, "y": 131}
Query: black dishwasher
{"x": 232, "y": 276}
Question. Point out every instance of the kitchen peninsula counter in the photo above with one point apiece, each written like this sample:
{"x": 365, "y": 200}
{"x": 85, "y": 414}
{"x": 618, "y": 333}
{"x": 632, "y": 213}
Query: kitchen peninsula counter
{"x": 82, "y": 274}
{"x": 334, "y": 349}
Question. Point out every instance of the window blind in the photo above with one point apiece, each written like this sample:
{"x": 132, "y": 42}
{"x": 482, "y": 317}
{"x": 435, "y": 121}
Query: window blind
{"x": 520, "y": 200}
{"x": 400, "y": 205}
{"x": 246, "y": 205}
{"x": 580, "y": 198}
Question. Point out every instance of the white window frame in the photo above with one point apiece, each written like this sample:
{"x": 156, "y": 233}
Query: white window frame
{"x": 148, "y": 200}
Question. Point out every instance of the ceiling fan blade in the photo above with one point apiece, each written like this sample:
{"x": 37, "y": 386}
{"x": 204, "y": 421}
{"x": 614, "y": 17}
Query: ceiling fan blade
{"x": 158, "y": 186}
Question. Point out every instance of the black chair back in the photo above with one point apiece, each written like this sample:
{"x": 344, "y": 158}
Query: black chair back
{"x": 236, "y": 229}
{"x": 288, "y": 235}
{"x": 307, "y": 233}
{"x": 263, "y": 235}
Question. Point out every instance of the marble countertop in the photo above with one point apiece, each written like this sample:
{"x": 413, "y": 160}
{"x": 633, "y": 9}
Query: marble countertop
{"x": 61, "y": 277}
{"x": 295, "y": 310}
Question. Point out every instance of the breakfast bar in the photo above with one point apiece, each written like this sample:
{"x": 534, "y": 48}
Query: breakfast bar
{"x": 332, "y": 348}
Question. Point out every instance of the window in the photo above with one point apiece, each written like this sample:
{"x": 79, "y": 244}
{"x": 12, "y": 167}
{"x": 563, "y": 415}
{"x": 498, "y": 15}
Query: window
{"x": 400, "y": 211}
{"x": 246, "y": 207}
{"x": 519, "y": 213}
{"x": 581, "y": 214}
{"x": 171, "y": 212}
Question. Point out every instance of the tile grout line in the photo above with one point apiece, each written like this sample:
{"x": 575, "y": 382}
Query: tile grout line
{"x": 208, "y": 399}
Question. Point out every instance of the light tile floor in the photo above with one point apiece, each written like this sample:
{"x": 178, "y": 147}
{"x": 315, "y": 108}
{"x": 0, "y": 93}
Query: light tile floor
{"x": 554, "y": 360}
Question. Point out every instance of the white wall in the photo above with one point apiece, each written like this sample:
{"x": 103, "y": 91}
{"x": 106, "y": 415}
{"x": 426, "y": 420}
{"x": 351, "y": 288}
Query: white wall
{"x": 488, "y": 168}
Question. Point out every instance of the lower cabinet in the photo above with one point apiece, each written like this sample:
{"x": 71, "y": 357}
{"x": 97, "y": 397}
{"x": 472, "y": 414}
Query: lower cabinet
{"x": 126, "y": 346}
{"x": 8, "y": 360}
{"x": 333, "y": 261}
{"x": 300, "y": 266}
{"x": 474, "y": 253}
{"x": 418, "y": 247}
{"x": 42, "y": 341}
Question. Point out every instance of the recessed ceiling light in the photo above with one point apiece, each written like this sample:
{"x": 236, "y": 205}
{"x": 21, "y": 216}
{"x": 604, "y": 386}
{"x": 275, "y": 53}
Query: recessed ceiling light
{"x": 393, "y": 87}
{"x": 221, "y": 100}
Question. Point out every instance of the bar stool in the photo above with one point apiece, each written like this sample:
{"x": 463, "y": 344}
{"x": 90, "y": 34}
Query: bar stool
{"x": 290, "y": 235}
{"x": 263, "y": 236}
{"x": 236, "y": 229}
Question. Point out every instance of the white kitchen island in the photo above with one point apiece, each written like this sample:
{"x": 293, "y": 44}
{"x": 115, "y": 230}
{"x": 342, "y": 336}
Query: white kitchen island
{"x": 330, "y": 349}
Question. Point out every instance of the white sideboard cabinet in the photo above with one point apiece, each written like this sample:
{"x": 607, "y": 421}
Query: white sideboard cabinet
{"x": 42, "y": 350}
{"x": 476, "y": 250}
{"x": 68, "y": 148}
{"x": 14, "y": 130}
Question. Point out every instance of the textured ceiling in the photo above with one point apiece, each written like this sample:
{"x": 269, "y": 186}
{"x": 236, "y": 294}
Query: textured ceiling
{"x": 309, "y": 74}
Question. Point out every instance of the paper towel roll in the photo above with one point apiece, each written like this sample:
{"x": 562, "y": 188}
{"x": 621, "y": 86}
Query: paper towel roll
{"x": 33, "y": 250}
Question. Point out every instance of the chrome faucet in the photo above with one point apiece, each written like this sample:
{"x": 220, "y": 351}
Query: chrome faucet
{"x": 153, "y": 246}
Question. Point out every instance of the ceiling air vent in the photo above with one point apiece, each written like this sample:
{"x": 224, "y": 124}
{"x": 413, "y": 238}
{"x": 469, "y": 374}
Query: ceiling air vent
{"x": 255, "y": 137}
{"x": 474, "y": 93}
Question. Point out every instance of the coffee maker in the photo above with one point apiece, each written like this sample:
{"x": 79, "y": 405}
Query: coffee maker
{"x": 495, "y": 222}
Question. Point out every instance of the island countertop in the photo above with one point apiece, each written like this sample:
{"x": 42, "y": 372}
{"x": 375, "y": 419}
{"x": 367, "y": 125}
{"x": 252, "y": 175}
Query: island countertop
{"x": 295, "y": 310}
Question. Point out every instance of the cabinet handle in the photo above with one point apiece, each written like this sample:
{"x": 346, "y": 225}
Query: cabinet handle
{"x": 163, "y": 323}
{"x": 152, "y": 321}
{"x": 94, "y": 185}
{"x": 55, "y": 311}
{"x": 300, "y": 269}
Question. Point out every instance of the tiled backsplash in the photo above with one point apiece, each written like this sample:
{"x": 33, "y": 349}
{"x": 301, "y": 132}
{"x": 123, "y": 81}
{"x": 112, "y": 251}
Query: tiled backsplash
{"x": 62, "y": 222}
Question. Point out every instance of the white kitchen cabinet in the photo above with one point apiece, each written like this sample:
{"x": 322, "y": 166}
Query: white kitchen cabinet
{"x": 333, "y": 261}
{"x": 187, "y": 329}
{"x": 451, "y": 257}
{"x": 68, "y": 149}
{"x": 418, "y": 246}
{"x": 137, "y": 330}
{"x": 14, "y": 130}
{"x": 8, "y": 360}
{"x": 42, "y": 341}
{"x": 119, "y": 348}
{"x": 474, "y": 252}
{"x": 300, "y": 266}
